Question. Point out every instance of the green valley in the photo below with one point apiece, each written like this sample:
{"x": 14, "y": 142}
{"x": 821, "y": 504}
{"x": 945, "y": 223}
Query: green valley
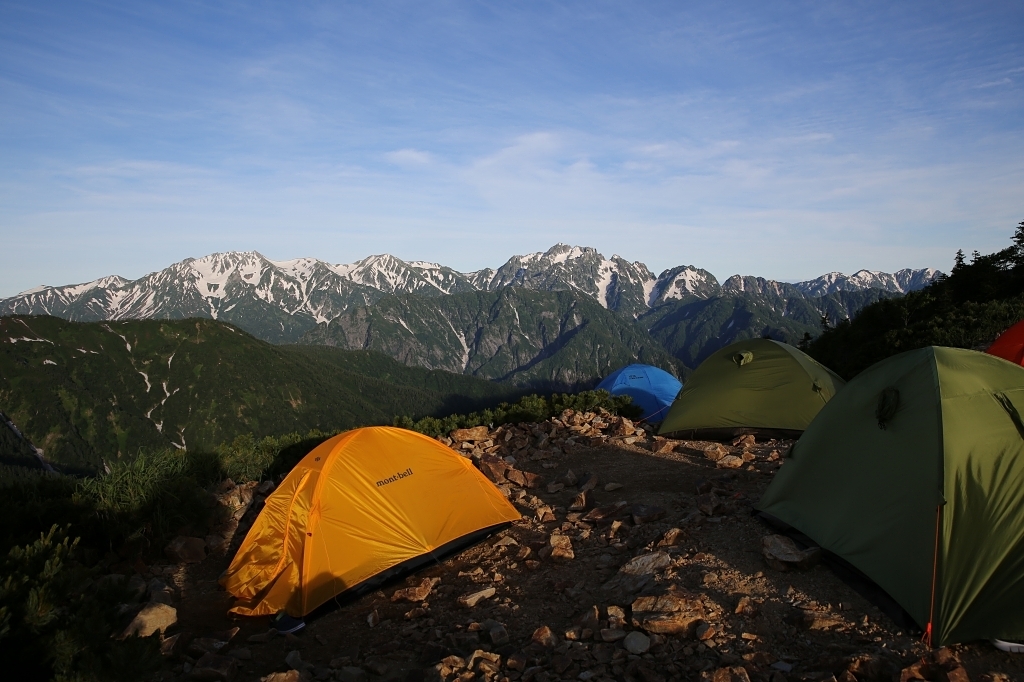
{"x": 89, "y": 392}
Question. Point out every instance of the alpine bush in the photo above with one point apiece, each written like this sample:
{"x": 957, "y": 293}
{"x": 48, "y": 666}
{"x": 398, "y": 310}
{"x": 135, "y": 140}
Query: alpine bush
{"x": 531, "y": 408}
{"x": 56, "y": 620}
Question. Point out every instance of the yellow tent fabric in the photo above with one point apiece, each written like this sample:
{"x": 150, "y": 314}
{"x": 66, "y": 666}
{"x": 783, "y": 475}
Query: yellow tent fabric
{"x": 359, "y": 504}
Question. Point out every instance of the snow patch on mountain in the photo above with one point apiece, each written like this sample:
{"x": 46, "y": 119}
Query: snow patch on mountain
{"x": 262, "y": 295}
{"x": 605, "y": 276}
{"x": 298, "y": 268}
{"x": 560, "y": 253}
{"x": 901, "y": 282}
{"x": 679, "y": 283}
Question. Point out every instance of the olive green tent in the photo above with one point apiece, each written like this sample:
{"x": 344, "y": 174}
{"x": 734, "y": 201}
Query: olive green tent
{"x": 757, "y": 385}
{"x": 914, "y": 474}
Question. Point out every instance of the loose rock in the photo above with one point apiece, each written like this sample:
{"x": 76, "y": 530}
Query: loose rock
{"x": 137, "y": 586}
{"x": 671, "y": 538}
{"x": 744, "y": 441}
{"x": 644, "y": 513}
{"x": 159, "y": 592}
{"x": 545, "y": 514}
{"x": 637, "y": 643}
{"x": 544, "y": 637}
{"x": 715, "y": 452}
{"x": 473, "y": 598}
{"x": 589, "y": 619}
{"x": 709, "y": 504}
{"x": 561, "y": 548}
{"x": 588, "y": 481}
{"x": 416, "y": 594}
{"x": 215, "y": 667}
{"x": 646, "y": 564}
{"x": 738, "y": 674}
{"x": 668, "y": 614}
{"x": 351, "y": 674}
{"x": 612, "y": 634}
{"x": 730, "y": 462}
{"x": 294, "y": 661}
{"x": 498, "y": 635}
{"x": 783, "y": 554}
{"x": 524, "y": 478}
{"x": 582, "y": 502}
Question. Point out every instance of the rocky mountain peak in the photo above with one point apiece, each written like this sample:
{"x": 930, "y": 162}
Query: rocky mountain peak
{"x": 279, "y": 300}
{"x": 901, "y": 282}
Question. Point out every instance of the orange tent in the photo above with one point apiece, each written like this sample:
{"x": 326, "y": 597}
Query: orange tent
{"x": 356, "y": 510}
{"x": 1010, "y": 344}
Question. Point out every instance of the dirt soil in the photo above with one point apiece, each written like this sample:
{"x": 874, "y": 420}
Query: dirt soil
{"x": 756, "y": 622}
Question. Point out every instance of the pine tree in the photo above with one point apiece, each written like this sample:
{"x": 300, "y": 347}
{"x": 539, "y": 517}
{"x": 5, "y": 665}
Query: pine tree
{"x": 958, "y": 261}
{"x": 1018, "y": 244}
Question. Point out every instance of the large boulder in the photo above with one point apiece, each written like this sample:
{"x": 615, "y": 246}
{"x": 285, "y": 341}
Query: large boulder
{"x": 186, "y": 550}
{"x": 783, "y": 554}
{"x": 668, "y": 614}
{"x": 476, "y": 433}
{"x": 153, "y": 617}
{"x": 215, "y": 667}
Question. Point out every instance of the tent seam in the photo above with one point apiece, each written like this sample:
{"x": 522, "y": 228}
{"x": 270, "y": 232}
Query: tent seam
{"x": 314, "y": 509}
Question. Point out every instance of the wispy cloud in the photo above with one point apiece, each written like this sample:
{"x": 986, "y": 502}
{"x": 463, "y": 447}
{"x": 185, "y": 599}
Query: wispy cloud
{"x": 993, "y": 84}
{"x": 409, "y": 157}
{"x": 774, "y": 140}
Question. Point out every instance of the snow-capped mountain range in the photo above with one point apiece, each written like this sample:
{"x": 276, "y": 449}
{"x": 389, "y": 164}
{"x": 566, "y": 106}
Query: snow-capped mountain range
{"x": 279, "y": 300}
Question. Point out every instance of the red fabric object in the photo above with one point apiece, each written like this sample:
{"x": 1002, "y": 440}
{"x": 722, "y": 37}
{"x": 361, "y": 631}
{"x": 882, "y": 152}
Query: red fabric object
{"x": 1010, "y": 344}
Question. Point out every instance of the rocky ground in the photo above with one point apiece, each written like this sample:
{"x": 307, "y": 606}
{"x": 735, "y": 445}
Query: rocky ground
{"x": 636, "y": 559}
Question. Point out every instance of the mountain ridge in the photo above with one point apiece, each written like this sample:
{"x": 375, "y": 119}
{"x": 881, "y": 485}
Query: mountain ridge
{"x": 311, "y": 292}
{"x": 552, "y": 320}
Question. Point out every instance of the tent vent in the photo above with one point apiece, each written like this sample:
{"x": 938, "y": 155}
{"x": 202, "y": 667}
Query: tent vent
{"x": 888, "y": 403}
{"x": 743, "y": 358}
{"x": 1012, "y": 411}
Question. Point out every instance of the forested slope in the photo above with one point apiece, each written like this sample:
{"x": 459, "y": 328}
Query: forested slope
{"x": 84, "y": 392}
{"x": 969, "y": 308}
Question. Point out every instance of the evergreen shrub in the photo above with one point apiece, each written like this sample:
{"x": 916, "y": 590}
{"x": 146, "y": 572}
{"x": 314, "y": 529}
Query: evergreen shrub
{"x": 56, "y": 619}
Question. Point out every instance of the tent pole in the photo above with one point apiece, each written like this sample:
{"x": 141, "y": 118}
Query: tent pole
{"x": 927, "y": 638}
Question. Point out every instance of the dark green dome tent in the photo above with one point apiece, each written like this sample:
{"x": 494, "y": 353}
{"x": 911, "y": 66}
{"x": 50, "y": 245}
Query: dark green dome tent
{"x": 751, "y": 386}
{"x": 914, "y": 474}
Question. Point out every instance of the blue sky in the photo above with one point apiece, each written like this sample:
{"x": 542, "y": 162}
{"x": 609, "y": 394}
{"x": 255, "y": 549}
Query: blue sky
{"x": 777, "y": 139}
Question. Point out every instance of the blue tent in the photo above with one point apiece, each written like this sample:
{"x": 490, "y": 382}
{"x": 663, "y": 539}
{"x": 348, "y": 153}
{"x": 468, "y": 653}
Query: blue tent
{"x": 651, "y": 389}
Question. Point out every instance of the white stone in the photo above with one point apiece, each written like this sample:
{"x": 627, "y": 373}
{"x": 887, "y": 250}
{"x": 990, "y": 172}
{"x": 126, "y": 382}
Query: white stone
{"x": 637, "y": 643}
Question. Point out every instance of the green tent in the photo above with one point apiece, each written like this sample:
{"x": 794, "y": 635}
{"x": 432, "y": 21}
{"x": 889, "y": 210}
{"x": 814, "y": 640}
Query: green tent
{"x": 914, "y": 474}
{"x": 757, "y": 385}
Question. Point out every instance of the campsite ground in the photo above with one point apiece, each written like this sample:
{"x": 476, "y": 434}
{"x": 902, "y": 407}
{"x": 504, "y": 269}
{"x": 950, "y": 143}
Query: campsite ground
{"x": 792, "y": 625}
